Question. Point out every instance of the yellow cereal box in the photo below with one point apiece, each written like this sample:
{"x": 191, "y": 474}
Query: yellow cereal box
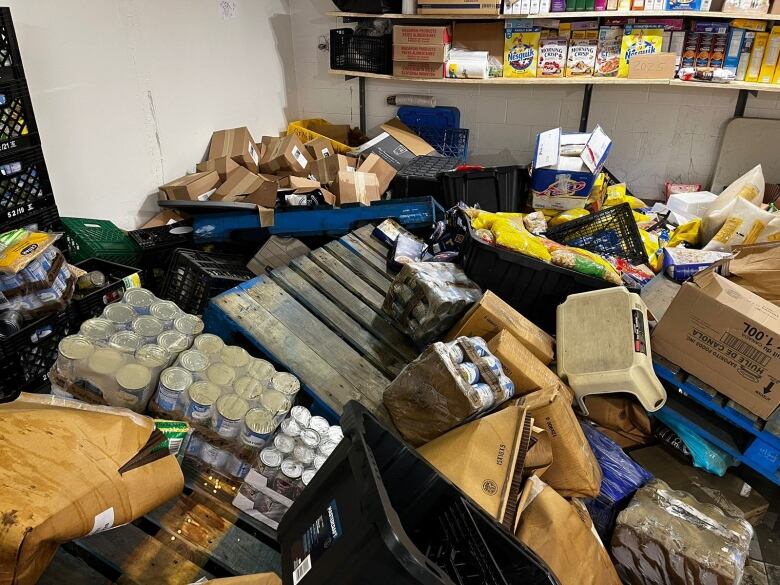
{"x": 521, "y": 51}
{"x": 639, "y": 40}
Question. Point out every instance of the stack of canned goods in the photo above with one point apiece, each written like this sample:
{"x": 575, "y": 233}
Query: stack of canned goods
{"x": 121, "y": 354}
{"x": 287, "y": 465}
{"x": 488, "y": 385}
{"x": 37, "y": 284}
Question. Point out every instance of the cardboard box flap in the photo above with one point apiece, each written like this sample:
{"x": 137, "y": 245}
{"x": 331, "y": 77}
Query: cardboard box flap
{"x": 737, "y": 297}
{"x": 548, "y": 146}
{"x": 596, "y": 149}
{"x": 403, "y": 134}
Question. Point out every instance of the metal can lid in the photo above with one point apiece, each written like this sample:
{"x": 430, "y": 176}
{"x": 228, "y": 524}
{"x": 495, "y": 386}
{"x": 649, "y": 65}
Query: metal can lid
{"x": 174, "y": 341}
{"x": 119, "y": 313}
{"x": 304, "y": 454}
{"x": 220, "y": 374}
{"x": 285, "y": 383}
{"x": 138, "y": 297}
{"x": 283, "y": 443}
{"x": 327, "y": 448}
{"x": 189, "y": 325}
{"x": 308, "y": 475}
{"x": 271, "y": 457}
{"x": 291, "y": 468}
{"x": 133, "y": 376}
{"x": 335, "y": 434}
{"x": 319, "y": 460}
{"x": 75, "y": 347}
{"x": 235, "y": 356}
{"x": 290, "y": 428}
{"x": 248, "y": 388}
{"x": 261, "y": 369}
{"x": 204, "y": 393}
{"x": 310, "y": 437}
{"x": 125, "y": 341}
{"x": 232, "y": 406}
{"x": 275, "y": 401}
{"x": 105, "y": 360}
{"x": 193, "y": 360}
{"x": 301, "y": 415}
{"x": 176, "y": 379}
{"x": 148, "y": 326}
{"x": 164, "y": 310}
{"x": 260, "y": 421}
{"x": 152, "y": 355}
{"x": 319, "y": 424}
{"x": 97, "y": 329}
{"x": 208, "y": 343}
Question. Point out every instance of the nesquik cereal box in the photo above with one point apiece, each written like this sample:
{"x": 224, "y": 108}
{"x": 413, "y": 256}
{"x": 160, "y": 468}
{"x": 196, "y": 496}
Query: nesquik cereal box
{"x": 552, "y": 57}
{"x": 639, "y": 40}
{"x": 521, "y": 51}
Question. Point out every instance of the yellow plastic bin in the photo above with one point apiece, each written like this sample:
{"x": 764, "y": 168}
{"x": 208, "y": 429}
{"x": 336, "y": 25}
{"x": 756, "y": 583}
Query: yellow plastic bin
{"x": 301, "y": 129}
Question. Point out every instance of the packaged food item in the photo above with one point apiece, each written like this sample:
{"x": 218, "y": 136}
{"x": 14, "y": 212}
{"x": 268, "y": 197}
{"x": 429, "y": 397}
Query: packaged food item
{"x": 521, "y": 50}
{"x": 746, "y": 224}
{"x": 638, "y": 39}
{"x": 535, "y": 223}
{"x": 608, "y": 51}
{"x": 749, "y": 187}
{"x": 616, "y": 194}
{"x": 514, "y": 236}
{"x": 581, "y": 60}
{"x": 567, "y": 215}
{"x": 552, "y": 57}
{"x": 20, "y": 247}
{"x": 682, "y": 263}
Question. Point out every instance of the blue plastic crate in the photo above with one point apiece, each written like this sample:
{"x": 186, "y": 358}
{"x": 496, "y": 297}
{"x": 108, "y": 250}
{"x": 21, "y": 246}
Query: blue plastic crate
{"x": 446, "y": 141}
{"x": 438, "y": 117}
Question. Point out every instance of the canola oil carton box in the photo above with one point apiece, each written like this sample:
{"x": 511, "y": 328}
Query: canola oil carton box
{"x": 521, "y": 51}
{"x": 639, "y": 40}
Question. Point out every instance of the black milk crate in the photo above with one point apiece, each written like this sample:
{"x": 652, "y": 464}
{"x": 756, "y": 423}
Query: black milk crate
{"x": 27, "y": 355}
{"x": 358, "y": 52}
{"x": 194, "y": 277}
{"x": 157, "y": 245}
{"x": 376, "y": 512}
{"x": 43, "y": 220}
{"x": 17, "y": 122}
{"x": 420, "y": 177}
{"x": 10, "y": 57}
{"x": 90, "y": 303}
{"x": 609, "y": 232}
{"x": 24, "y": 185}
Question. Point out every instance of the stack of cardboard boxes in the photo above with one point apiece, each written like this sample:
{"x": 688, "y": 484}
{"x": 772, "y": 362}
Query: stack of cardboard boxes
{"x": 421, "y": 51}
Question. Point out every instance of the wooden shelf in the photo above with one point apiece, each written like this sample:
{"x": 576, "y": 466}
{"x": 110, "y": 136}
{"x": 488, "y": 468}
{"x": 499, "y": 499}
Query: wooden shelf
{"x": 734, "y": 85}
{"x": 559, "y": 15}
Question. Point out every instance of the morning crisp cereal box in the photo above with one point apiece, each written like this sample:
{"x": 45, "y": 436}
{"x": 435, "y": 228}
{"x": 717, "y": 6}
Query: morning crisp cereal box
{"x": 639, "y": 40}
{"x": 521, "y": 51}
{"x": 552, "y": 57}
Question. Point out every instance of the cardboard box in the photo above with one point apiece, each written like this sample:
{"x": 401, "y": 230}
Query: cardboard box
{"x": 448, "y": 7}
{"x": 480, "y": 36}
{"x": 286, "y": 154}
{"x": 397, "y": 145}
{"x": 520, "y": 365}
{"x": 421, "y": 53}
{"x": 293, "y": 182}
{"x": 165, "y": 217}
{"x": 491, "y": 314}
{"x": 195, "y": 187}
{"x": 382, "y": 169}
{"x": 276, "y": 252}
{"x": 326, "y": 170}
{"x": 245, "y": 186}
{"x": 320, "y": 148}
{"x": 223, "y": 165}
{"x": 727, "y": 337}
{"x": 421, "y": 35}
{"x": 256, "y": 579}
{"x": 238, "y": 145}
{"x": 357, "y": 187}
{"x": 336, "y": 132}
{"x": 419, "y": 70}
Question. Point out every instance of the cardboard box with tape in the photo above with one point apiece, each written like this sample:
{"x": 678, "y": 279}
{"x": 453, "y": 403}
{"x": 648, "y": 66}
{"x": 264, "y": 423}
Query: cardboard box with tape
{"x": 286, "y": 154}
{"x": 195, "y": 187}
{"x": 238, "y": 145}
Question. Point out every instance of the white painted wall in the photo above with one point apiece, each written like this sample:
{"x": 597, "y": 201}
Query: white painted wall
{"x": 659, "y": 133}
{"x": 127, "y": 92}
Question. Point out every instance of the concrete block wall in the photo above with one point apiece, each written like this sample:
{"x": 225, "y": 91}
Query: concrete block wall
{"x": 659, "y": 132}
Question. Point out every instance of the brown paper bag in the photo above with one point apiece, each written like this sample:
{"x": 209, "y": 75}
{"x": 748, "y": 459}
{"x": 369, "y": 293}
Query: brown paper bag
{"x": 60, "y": 480}
{"x": 757, "y": 268}
{"x": 621, "y": 418}
{"x": 563, "y": 536}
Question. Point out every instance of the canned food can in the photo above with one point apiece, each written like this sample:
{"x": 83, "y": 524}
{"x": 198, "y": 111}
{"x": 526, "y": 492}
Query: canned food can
{"x": 326, "y": 449}
{"x": 153, "y": 356}
{"x": 248, "y": 388}
{"x": 258, "y": 427}
{"x": 11, "y": 281}
{"x": 290, "y": 427}
{"x": 301, "y": 415}
{"x": 97, "y": 329}
{"x": 284, "y": 443}
{"x": 125, "y": 341}
{"x": 229, "y": 412}
{"x": 104, "y": 361}
{"x": 310, "y": 437}
{"x": 148, "y": 328}
{"x": 236, "y": 357}
{"x": 261, "y": 370}
{"x": 285, "y": 482}
{"x": 165, "y": 312}
{"x": 455, "y": 352}
{"x": 319, "y": 424}
{"x": 319, "y": 460}
{"x": 134, "y": 379}
{"x": 213, "y": 456}
{"x": 189, "y": 325}
{"x": 507, "y": 387}
{"x": 139, "y": 299}
{"x": 201, "y": 397}
{"x": 303, "y": 455}
{"x": 277, "y": 403}
{"x": 469, "y": 372}
{"x": 285, "y": 383}
{"x": 270, "y": 461}
{"x": 70, "y": 351}
{"x": 194, "y": 446}
{"x": 173, "y": 382}
{"x": 121, "y": 315}
{"x": 10, "y": 322}
{"x": 194, "y": 361}
{"x": 91, "y": 280}
{"x": 480, "y": 346}
{"x": 174, "y": 341}
{"x": 482, "y": 396}
{"x": 307, "y": 476}
{"x": 236, "y": 467}
{"x": 335, "y": 434}
{"x": 220, "y": 374}
{"x": 208, "y": 344}
{"x": 490, "y": 362}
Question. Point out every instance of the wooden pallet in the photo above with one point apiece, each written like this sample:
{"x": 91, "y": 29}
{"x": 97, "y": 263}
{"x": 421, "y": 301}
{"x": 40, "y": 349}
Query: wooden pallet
{"x": 321, "y": 318}
{"x": 199, "y": 534}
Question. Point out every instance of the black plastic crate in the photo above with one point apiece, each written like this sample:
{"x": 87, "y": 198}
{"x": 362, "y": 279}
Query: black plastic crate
{"x": 420, "y": 177}
{"x": 533, "y": 287}
{"x": 490, "y": 188}
{"x": 17, "y": 122}
{"x": 157, "y": 245}
{"x": 194, "y": 277}
{"x": 611, "y": 232}
{"x": 358, "y": 52}
{"x": 27, "y": 355}
{"x": 24, "y": 184}
{"x": 10, "y": 58}
{"x": 90, "y": 303}
{"x": 378, "y": 513}
{"x": 44, "y": 220}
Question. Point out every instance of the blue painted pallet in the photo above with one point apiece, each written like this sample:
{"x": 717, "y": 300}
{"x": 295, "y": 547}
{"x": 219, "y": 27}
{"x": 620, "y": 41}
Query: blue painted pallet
{"x": 732, "y": 431}
{"x": 413, "y": 213}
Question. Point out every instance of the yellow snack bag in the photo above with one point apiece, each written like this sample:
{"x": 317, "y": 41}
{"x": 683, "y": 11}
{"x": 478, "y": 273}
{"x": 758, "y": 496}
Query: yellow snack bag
{"x": 616, "y": 194}
{"x": 22, "y": 248}
{"x": 515, "y": 237}
{"x": 483, "y": 221}
{"x": 687, "y": 232}
{"x": 641, "y": 218}
{"x": 655, "y": 258}
{"x": 639, "y": 39}
{"x": 567, "y": 215}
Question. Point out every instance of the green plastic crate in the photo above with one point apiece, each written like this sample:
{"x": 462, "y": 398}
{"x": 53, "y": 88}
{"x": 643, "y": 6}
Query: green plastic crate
{"x": 99, "y": 238}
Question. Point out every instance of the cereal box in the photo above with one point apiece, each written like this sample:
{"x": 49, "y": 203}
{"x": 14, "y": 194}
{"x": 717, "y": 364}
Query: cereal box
{"x": 582, "y": 58}
{"x": 521, "y": 50}
{"x": 608, "y": 51}
{"x": 552, "y": 57}
{"x": 639, "y": 40}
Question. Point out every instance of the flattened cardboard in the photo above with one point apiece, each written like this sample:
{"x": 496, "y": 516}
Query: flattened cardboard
{"x": 382, "y": 169}
{"x": 257, "y": 579}
{"x": 277, "y": 251}
{"x": 653, "y": 66}
{"x": 190, "y": 187}
{"x": 223, "y": 165}
{"x": 727, "y": 337}
{"x": 357, "y": 187}
{"x": 520, "y": 365}
{"x": 320, "y": 148}
{"x": 165, "y": 217}
{"x": 403, "y": 134}
{"x": 238, "y": 144}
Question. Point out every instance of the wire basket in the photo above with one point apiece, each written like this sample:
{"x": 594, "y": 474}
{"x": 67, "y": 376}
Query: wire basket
{"x": 446, "y": 141}
{"x": 356, "y": 52}
{"x": 609, "y": 232}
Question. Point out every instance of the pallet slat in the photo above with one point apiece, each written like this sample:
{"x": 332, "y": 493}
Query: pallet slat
{"x": 68, "y": 568}
{"x": 367, "y": 254}
{"x": 359, "y": 266}
{"x": 352, "y": 282}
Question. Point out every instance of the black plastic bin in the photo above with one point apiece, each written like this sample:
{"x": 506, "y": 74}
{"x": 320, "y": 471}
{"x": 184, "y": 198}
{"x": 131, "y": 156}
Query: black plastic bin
{"x": 378, "y": 513}
{"x": 10, "y": 58}
{"x": 24, "y": 184}
{"x": 194, "y": 277}
{"x": 90, "y": 303}
{"x": 157, "y": 245}
{"x": 491, "y": 188}
{"x": 420, "y": 177}
{"x": 17, "y": 122}
{"x": 360, "y": 52}
{"x": 46, "y": 219}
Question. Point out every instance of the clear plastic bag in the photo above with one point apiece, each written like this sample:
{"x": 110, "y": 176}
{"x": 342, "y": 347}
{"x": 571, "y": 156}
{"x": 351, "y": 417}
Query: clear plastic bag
{"x": 745, "y": 224}
{"x": 749, "y": 187}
